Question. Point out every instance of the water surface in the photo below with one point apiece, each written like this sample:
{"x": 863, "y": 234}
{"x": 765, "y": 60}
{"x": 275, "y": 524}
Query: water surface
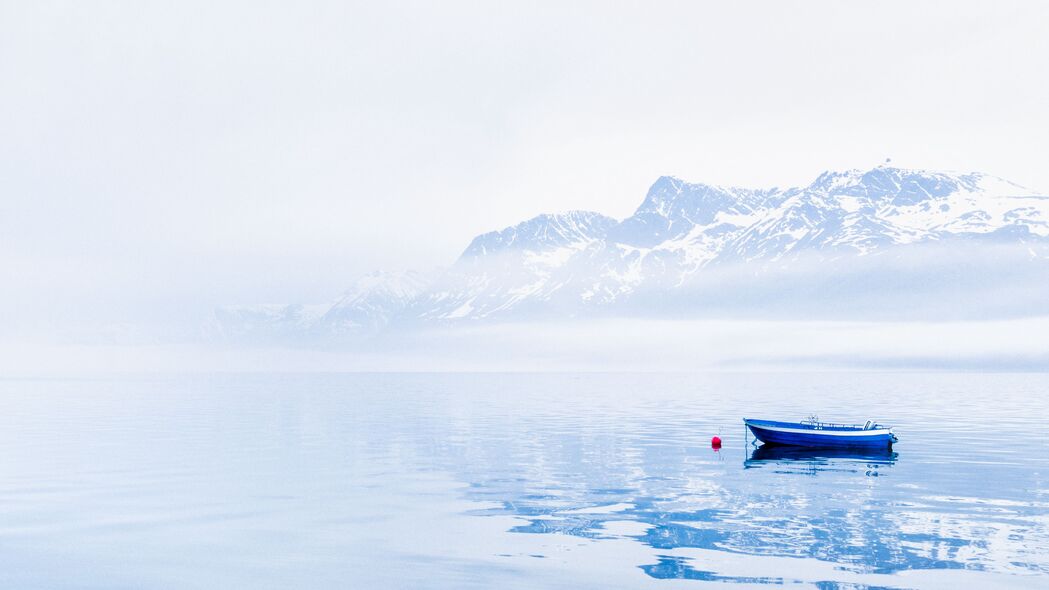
{"x": 518, "y": 480}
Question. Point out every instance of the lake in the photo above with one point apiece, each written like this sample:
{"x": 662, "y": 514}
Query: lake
{"x": 519, "y": 481}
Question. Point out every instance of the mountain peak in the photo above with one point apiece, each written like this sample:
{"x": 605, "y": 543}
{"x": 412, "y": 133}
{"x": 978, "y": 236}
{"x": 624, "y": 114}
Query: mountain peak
{"x": 385, "y": 284}
{"x": 898, "y": 186}
{"x": 666, "y": 185}
{"x": 548, "y": 230}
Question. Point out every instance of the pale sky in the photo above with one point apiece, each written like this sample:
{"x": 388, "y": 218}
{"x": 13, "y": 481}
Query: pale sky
{"x": 180, "y": 155}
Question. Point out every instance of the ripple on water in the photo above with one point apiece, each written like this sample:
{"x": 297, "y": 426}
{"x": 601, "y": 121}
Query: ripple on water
{"x": 272, "y": 479}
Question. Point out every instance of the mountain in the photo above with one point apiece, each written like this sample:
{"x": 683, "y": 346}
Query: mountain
{"x": 519, "y": 267}
{"x": 277, "y": 322}
{"x": 365, "y": 309}
{"x": 683, "y": 232}
{"x": 372, "y": 303}
{"x": 884, "y": 240}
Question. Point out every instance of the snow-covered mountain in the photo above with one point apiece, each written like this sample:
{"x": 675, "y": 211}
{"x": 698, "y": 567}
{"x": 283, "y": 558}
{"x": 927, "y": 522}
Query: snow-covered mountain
{"x": 265, "y": 322}
{"x": 663, "y": 256}
{"x": 516, "y": 268}
{"x": 365, "y": 309}
{"x": 373, "y": 302}
{"x": 682, "y": 231}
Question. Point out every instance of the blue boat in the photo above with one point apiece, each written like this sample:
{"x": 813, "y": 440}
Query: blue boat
{"x": 813, "y": 433}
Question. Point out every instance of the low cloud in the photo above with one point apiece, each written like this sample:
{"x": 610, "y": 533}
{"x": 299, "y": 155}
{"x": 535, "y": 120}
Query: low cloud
{"x": 596, "y": 345}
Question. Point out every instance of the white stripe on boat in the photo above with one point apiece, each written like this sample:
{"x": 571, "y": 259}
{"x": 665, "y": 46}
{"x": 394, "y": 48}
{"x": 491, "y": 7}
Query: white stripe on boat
{"x": 880, "y": 431}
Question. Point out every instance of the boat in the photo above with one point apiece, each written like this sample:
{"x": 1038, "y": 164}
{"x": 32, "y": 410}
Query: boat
{"x": 814, "y": 433}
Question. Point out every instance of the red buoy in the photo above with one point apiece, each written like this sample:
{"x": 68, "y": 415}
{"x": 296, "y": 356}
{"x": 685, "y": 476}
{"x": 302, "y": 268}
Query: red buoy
{"x": 715, "y": 442}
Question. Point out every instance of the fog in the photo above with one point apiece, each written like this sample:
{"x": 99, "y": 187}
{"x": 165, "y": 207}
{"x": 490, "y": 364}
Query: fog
{"x": 592, "y": 345}
{"x": 162, "y": 159}
{"x": 965, "y": 304}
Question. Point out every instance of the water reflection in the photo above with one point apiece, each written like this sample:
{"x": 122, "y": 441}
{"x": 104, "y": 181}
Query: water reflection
{"x": 808, "y": 461}
{"x": 865, "y": 511}
{"x": 670, "y": 567}
{"x": 372, "y": 474}
{"x": 836, "y": 514}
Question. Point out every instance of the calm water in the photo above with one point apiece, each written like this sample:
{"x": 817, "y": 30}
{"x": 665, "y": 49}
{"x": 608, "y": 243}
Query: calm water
{"x": 451, "y": 481}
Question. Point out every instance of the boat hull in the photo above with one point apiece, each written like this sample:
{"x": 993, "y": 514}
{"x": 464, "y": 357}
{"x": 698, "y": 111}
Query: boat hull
{"x": 774, "y": 433}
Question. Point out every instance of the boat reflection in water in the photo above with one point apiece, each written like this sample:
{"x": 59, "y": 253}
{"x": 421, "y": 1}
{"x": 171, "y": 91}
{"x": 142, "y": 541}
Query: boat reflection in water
{"x": 811, "y": 461}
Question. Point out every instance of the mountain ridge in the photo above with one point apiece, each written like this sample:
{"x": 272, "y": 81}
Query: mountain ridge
{"x": 583, "y": 262}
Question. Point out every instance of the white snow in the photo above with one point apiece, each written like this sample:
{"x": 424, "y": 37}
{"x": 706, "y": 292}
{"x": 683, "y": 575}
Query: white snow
{"x": 840, "y": 214}
{"x": 461, "y": 311}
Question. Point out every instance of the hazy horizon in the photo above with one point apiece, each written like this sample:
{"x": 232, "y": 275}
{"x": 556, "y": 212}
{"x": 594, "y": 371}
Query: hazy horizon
{"x": 162, "y": 161}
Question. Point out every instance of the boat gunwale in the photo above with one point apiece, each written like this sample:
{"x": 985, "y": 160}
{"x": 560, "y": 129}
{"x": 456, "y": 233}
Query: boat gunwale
{"x": 817, "y": 427}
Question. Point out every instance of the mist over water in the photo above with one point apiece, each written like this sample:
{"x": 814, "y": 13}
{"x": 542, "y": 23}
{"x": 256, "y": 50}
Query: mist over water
{"x": 1017, "y": 344}
{"x": 959, "y": 306}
